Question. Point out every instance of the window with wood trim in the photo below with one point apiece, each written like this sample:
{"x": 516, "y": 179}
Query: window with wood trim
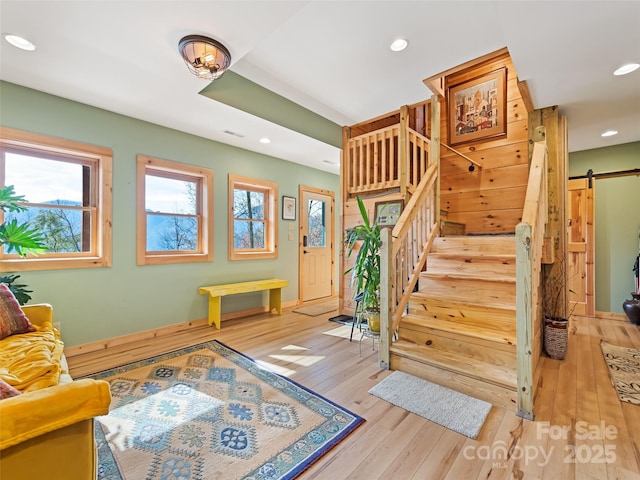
{"x": 175, "y": 212}
{"x": 253, "y": 215}
{"x": 66, "y": 186}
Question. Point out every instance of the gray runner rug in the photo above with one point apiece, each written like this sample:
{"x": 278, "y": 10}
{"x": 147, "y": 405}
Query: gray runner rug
{"x": 453, "y": 410}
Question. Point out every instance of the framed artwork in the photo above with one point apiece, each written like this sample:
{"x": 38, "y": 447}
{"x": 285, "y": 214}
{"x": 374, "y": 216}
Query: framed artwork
{"x": 388, "y": 213}
{"x": 477, "y": 108}
{"x": 288, "y": 208}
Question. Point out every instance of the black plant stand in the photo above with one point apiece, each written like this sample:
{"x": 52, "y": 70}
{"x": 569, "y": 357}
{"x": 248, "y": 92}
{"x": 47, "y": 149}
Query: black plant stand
{"x": 357, "y": 314}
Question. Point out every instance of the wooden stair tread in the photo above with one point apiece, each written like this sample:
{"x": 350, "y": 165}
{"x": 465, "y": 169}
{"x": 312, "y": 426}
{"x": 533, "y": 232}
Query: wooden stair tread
{"x": 479, "y": 255}
{"x": 499, "y": 317}
{"x": 466, "y": 276}
{"x": 497, "y": 375}
{"x": 484, "y": 296}
{"x": 461, "y": 303}
{"x": 485, "y": 333}
{"x": 498, "y": 244}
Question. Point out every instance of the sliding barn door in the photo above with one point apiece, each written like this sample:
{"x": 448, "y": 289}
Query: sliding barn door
{"x": 581, "y": 247}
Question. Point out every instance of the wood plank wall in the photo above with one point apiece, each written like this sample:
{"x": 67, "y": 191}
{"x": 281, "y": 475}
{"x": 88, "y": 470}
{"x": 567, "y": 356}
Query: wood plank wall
{"x": 489, "y": 200}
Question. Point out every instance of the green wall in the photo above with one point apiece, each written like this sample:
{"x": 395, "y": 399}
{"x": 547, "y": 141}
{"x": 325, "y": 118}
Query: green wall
{"x": 96, "y": 304}
{"x": 617, "y": 220}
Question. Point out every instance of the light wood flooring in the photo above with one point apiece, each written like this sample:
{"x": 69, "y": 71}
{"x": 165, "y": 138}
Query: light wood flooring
{"x": 574, "y": 396}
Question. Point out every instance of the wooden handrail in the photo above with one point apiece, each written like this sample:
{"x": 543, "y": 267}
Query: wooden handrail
{"x": 529, "y": 249}
{"x": 474, "y": 162}
{"x": 403, "y": 255}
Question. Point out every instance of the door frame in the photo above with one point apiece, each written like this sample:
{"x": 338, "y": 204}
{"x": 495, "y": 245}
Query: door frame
{"x": 301, "y": 190}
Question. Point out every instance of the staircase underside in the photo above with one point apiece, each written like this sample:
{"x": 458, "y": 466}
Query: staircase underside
{"x": 459, "y": 331}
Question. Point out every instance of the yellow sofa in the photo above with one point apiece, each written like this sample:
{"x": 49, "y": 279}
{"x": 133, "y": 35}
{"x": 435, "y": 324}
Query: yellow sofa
{"x": 47, "y": 430}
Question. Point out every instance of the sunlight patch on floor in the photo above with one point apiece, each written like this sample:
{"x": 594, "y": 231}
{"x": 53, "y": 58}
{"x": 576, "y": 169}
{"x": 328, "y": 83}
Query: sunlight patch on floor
{"x": 294, "y": 347}
{"x": 120, "y": 426}
{"x": 303, "y": 360}
{"x": 285, "y": 372}
{"x": 343, "y": 331}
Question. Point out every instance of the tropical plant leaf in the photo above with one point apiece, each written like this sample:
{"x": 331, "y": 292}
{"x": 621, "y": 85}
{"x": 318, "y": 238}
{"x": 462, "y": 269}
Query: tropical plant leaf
{"x": 9, "y": 201}
{"x": 19, "y": 290}
{"x": 364, "y": 239}
{"x": 20, "y": 238}
{"x": 363, "y": 212}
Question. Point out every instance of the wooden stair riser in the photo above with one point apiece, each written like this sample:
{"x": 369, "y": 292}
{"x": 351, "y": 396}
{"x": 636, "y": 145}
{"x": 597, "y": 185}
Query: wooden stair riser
{"x": 460, "y": 329}
{"x": 498, "y": 396}
{"x": 500, "y": 375}
{"x": 481, "y": 316}
{"x": 491, "y": 245}
{"x": 476, "y": 348}
{"x": 474, "y": 265}
{"x": 478, "y": 291}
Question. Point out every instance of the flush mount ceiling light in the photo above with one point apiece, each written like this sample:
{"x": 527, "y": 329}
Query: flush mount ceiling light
{"x": 628, "y": 68}
{"x": 399, "y": 44}
{"x": 205, "y": 57}
{"x": 609, "y": 133}
{"x": 265, "y": 140}
{"x": 19, "y": 42}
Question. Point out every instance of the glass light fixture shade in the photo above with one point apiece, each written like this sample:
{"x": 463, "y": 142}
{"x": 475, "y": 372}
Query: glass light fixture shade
{"x": 205, "y": 57}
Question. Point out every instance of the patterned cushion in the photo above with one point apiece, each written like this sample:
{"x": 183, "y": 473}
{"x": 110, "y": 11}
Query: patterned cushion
{"x": 7, "y": 391}
{"x": 12, "y": 319}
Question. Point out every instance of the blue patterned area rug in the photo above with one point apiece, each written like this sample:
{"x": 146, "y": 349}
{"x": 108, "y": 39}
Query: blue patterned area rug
{"x": 209, "y": 412}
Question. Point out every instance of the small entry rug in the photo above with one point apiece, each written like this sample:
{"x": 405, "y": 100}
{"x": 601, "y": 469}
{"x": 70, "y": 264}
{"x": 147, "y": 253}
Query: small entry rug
{"x": 318, "y": 308}
{"x": 208, "y": 412}
{"x": 453, "y": 410}
{"x": 624, "y": 371}
{"x": 343, "y": 319}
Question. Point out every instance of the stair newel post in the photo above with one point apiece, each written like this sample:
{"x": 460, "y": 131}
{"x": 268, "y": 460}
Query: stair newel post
{"x": 387, "y": 298}
{"x": 524, "y": 320}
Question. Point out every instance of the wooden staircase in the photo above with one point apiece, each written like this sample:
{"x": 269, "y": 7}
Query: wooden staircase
{"x": 460, "y": 329}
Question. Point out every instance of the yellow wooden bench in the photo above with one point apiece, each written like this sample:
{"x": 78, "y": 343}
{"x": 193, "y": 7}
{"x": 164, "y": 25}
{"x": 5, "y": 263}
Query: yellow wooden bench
{"x": 216, "y": 292}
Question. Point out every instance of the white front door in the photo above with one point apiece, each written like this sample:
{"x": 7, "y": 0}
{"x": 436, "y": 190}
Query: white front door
{"x": 316, "y": 243}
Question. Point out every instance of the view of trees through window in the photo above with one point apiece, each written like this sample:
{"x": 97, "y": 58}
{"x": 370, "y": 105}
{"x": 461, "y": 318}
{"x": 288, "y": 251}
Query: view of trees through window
{"x": 59, "y": 196}
{"x": 171, "y": 210}
{"x": 317, "y": 231}
{"x": 248, "y": 219}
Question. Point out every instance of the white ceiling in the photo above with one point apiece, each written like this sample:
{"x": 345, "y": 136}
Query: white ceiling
{"x": 331, "y": 57}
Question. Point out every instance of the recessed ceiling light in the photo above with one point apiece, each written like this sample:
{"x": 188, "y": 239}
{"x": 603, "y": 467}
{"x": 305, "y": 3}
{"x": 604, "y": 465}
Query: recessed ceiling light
{"x": 628, "y": 68}
{"x": 19, "y": 42}
{"x": 265, "y": 140}
{"x": 609, "y": 133}
{"x": 399, "y": 44}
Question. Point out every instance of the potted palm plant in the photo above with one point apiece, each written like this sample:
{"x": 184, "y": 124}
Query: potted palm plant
{"x": 19, "y": 238}
{"x": 364, "y": 239}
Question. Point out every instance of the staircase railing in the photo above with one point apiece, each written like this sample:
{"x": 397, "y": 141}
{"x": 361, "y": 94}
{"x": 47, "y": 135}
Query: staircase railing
{"x": 403, "y": 255}
{"x": 372, "y": 159}
{"x": 529, "y": 249}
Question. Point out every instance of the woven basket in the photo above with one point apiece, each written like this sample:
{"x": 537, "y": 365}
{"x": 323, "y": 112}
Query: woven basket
{"x": 555, "y": 337}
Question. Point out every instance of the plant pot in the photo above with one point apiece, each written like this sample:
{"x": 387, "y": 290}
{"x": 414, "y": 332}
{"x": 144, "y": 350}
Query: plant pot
{"x": 556, "y": 337}
{"x": 632, "y": 308}
{"x": 373, "y": 321}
